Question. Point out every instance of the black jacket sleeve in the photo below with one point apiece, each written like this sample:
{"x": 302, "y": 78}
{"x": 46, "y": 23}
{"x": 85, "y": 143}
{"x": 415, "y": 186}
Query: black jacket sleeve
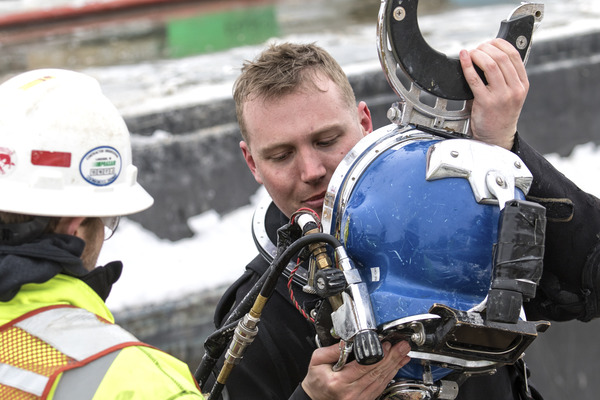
{"x": 570, "y": 285}
{"x": 299, "y": 394}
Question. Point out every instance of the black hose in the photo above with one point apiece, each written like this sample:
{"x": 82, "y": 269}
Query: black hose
{"x": 216, "y": 343}
{"x": 214, "y": 346}
{"x": 246, "y": 304}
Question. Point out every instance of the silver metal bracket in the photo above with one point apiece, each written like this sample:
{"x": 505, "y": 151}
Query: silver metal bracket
{"x": 492, "y": 171}
{"x": 433, "y": 91}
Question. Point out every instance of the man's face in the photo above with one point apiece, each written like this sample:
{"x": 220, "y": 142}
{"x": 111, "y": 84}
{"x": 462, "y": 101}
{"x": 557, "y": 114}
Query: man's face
{"x": 297, "y": 141}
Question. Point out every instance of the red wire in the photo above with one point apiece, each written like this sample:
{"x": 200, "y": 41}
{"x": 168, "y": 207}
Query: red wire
{"x": 311, "y": 211}
{"x": 289, "y": 285}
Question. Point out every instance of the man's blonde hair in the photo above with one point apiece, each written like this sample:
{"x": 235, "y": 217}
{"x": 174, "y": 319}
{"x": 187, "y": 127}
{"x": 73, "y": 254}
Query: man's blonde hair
{"x": 283, "y": 68}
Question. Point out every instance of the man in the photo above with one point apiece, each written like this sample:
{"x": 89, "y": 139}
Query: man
{"x": 298, "y": 119}
{"x": 66, "y": 174}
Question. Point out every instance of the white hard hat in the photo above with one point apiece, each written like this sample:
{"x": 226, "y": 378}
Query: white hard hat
{"x": 64, "y": 149}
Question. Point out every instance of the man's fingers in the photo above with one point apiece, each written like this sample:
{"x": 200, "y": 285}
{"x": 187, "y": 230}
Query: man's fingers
{"x": 515, "y": 58}
{"x": 471, "y": 75}
{"x": 326, "y": 355}
{"x": 379, "y": 375}
{"x": 395, "y": 357}
{"x": 500, "y": 62}
{"x": 354, "y": 380}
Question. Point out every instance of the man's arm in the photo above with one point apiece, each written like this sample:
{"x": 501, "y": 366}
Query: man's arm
{"x": 570, "y": 285}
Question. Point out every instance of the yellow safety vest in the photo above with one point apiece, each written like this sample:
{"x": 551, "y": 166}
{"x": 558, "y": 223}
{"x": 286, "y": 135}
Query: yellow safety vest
{"x": 37, "y": 347}
{"x": 63, "y": 352}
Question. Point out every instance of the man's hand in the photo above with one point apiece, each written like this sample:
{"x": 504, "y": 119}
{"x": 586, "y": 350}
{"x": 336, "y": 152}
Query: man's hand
{"x": 354, "y": 381}
{"x": 497, "y": 105}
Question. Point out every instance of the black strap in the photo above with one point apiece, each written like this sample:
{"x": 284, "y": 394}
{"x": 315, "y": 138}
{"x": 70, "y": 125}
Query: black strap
{"x": 591, "y": 285}
{"x": 526, "y": 391}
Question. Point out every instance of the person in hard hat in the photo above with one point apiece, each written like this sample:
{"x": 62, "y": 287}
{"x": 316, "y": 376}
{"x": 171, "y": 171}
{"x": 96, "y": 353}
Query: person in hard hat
{"x": 66, "y": 175}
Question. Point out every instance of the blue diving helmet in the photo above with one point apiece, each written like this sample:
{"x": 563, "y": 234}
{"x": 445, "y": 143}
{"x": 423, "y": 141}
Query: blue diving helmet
{"x": 418, "y": 216}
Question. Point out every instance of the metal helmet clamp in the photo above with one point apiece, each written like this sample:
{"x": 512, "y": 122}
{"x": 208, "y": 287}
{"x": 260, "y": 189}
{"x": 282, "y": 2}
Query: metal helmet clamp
{"x": 64, "y": 149}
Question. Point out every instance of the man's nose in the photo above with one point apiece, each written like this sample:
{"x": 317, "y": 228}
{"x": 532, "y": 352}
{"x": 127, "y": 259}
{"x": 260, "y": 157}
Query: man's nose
{"x": 311, "y": 166}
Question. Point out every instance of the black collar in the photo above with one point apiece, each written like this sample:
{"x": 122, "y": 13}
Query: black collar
{"x": 267, "y": 219}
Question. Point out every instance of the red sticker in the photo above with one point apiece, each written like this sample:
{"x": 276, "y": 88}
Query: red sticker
{"x": 7, "y": 160}
{"x": 50, "y": 158}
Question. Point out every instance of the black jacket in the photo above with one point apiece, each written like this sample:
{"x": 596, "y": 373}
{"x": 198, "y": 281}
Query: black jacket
{"x": 278, "y": 359}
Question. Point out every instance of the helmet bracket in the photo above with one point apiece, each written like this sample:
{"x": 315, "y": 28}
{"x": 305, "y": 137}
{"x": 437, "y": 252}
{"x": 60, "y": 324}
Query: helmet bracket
{"x": 421, "y": 75}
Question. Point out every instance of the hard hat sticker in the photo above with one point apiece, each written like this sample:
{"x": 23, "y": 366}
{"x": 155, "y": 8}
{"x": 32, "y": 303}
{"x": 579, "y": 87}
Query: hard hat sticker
{"x": 101, "y": 166}
{"x": 7, "y": 160}
{"x": 51, "y": 158}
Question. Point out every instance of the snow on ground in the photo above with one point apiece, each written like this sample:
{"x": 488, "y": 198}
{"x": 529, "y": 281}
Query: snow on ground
{"x": 158, "y": 269}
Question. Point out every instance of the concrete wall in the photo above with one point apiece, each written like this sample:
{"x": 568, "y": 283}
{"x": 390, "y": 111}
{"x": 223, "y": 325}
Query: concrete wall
{"x": 199, "y": 167}
{"x": 564, "y": 361}
{"x": 563, "y": 101}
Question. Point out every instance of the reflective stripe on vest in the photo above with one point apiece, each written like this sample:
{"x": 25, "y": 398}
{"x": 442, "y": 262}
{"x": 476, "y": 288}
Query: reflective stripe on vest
{"x": 21, "y": 379}
{"x": 35, "y": 348}
{"x": 62, "y": 327}
{"x": 82, "y": 383}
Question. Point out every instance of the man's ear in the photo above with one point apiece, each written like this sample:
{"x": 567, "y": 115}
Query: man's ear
{"x": 69, "y": 225}
{"x": 364, "y": 117}
{"x": 250, "y": 161}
